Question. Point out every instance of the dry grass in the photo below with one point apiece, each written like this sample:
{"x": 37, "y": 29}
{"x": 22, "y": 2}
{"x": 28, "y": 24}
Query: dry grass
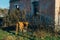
{"x": 10, "y": 38}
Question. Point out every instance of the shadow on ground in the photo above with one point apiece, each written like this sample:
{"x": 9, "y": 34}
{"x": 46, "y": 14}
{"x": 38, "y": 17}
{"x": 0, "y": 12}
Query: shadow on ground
{"x": 9, "y": 29}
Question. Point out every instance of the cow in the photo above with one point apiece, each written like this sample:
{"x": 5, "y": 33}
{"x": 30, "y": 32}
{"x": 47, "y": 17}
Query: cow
{"x": 20, "y": 26}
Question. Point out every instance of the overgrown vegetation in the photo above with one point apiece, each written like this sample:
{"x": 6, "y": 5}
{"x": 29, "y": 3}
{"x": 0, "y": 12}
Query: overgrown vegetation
{"x": 26, "y": 36}
{"x": 39, "y": 34}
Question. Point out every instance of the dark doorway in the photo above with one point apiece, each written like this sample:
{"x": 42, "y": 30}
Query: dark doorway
{"x": 36, "y": 7}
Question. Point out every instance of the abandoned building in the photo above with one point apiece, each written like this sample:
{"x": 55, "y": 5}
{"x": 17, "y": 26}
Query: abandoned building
{"x": 44, "y": 12}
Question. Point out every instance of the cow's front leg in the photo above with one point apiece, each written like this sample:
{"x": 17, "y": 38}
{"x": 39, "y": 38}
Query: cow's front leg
{"x": 17, "y": 29}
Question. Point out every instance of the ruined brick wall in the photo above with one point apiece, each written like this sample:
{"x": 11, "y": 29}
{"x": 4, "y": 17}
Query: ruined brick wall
{"x": 46, "y": 7}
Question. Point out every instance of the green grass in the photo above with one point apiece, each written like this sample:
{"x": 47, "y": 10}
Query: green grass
{"x": 26, "y": 36}
{"x": 3, "y": 34}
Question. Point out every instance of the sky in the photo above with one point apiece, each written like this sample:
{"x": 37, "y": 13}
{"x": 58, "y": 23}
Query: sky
{"x": 4, "y": 3}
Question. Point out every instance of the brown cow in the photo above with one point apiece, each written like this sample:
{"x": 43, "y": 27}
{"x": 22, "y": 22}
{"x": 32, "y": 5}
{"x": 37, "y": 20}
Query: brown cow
{"x": 21, "y": 26}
